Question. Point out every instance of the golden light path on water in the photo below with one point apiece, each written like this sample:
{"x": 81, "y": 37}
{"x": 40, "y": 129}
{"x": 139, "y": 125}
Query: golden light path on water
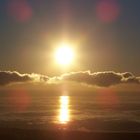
{"x": 64, "y": 112}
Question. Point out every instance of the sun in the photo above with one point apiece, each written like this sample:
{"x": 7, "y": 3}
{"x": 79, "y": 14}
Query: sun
{"x": 64, "y": 55}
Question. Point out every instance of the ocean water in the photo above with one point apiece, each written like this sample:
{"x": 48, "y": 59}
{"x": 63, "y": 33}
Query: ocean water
{"x": 97, "y": 112}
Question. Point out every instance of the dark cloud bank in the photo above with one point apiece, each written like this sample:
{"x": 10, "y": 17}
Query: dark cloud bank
{"x": 8, "y": 77}
{"x": 101, "y": 79}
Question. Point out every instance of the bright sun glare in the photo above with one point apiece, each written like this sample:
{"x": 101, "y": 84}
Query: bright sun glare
{"x": 64, "y": 54}
{"x": 64, "y": 110}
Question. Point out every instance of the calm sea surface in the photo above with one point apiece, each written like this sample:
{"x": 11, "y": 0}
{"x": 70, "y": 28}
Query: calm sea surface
{"x": 97, "y": 112}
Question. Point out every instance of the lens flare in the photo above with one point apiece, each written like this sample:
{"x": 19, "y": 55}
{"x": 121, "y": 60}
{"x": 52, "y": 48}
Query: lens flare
{"x": 19, "y": 10}
{"x": 108, "y": 10}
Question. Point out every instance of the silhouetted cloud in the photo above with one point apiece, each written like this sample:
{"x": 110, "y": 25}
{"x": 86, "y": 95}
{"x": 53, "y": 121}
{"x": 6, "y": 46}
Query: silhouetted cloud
{"x": 101, "y": 79}
{"x": 127, "y": 75}
{"x": 133, "y": 80}
{"x": 7, "y": 77}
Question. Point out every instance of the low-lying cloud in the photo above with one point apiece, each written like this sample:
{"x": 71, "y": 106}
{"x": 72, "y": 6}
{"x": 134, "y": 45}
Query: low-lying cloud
{"x": 8, "y": 77}
{"x": 101, "y": 79}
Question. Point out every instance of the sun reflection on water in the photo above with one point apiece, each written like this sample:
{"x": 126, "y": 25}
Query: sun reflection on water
{"x": 64, "y": 116}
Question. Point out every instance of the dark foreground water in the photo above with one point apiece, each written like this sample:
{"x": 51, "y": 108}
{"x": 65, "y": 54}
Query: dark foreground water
{"x": 89, "y": 113}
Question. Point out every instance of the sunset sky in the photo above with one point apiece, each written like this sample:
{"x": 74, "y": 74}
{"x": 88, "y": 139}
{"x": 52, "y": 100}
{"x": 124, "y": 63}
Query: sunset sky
{"x": 103, "y": 34}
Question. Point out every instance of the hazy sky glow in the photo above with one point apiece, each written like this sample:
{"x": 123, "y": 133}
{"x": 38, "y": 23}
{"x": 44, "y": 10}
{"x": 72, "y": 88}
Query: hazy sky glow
{"x": 69, "y": 69}
{"x": 106, "y": 34}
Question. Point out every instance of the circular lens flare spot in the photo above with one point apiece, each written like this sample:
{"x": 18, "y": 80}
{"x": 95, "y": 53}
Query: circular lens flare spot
{"x": 108, "y": 10}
